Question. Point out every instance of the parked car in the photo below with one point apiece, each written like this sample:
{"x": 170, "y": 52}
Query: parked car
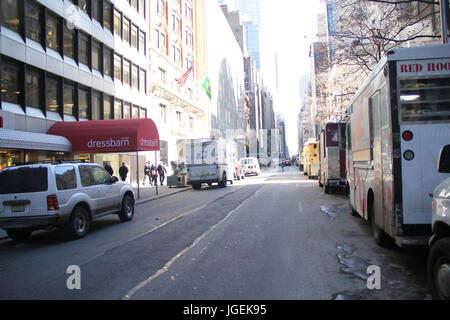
{"x": 251, "y": 166}
{"x": 64, "y": 195}
{"x": 439, "y": 256}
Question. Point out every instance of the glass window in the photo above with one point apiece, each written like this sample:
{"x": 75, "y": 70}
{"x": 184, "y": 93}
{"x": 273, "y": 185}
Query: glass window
{"x": 23, "y": 180}
{"x": 134, "y": 36}
{"x": 117, "y": 109}
{"x": 142, "y": 42}
{"x": 126, "y": 30}
{"x": 134, "y": 76}
{"x": 118, "y": 23}
{"x": 135, "y": 112}
{"x": 85, "y": 5}
{"x": 134, "y": 4}
{"x": 52, "y": 32}
{"x": 65, "y": 177}
{"x": 83, "y": 48}
{"x": 162, "y": 115}
{"x": 97, "y": 10}
{"x": 69, "y": 41}
{"x": 107, "y": 54}
{"x": 126, "y": 71}
{"x": 108, "y": 15}
{"x": 142, "y": 113}
{"x": 117, "y": 67}
{"x": 53, "y": 96}
{"x": 142, "y": 8}
{"x": 142, "y": 80}
{"x": 96, "y": 56}
{"x": 107, "y": 114}
{"x": 11, "y": 90}
{"x": 33, "y": 18}
{"x": 99, "y": 175}
{"x": 425, "y": 99}
{"x": 9, "y": 15}
{"x": 83, "y": 103}
{"x": 96, "y": 105}
{"x": 85, "y": 175}
{"x": 32, "y": 85}
{"x": 69, "y": 99}
{"x": 126, "y": 111}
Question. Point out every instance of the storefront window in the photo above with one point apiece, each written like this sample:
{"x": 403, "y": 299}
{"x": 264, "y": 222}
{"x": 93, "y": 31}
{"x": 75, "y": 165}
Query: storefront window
{"x": 10, "y": 157}
{"x": 83, "y": 103}
{"x": 53, "y": 101}
{"x": 69, "y": 99}
{"x": 11, "y": 91}
{"x": 32, "y": 83}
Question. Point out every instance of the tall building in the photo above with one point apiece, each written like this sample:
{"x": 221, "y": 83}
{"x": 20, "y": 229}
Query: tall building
{"x": 70, "y": 60}
{"x": 179, "y": 110}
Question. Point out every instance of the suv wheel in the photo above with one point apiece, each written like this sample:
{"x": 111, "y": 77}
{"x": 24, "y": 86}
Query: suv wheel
{"x": 127, "y": 211}
{"x": 439, "y": 269}
{"x": 19, "y": 234}
{"x": 78, "y": 225}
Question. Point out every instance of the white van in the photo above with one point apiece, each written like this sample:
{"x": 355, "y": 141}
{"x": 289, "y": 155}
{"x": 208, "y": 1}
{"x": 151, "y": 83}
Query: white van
{"x": 251, "y": 166}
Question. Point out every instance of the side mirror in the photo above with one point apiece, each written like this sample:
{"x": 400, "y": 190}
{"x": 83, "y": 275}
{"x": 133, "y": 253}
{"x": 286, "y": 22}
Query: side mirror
{"x": 444, "y": 160}
{"x": 114, "y": 179}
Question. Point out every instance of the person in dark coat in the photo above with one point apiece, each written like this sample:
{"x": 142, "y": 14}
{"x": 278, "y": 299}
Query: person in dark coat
{"x": 147, "y": 171}
{"x": 109, "y": 169}
{"x": 162, "y": 172}
{"x": 123, "y": 171}
{"x": 154, "y": 174}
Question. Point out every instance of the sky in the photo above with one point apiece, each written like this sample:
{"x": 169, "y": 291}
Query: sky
{"x": 288, "y": 28}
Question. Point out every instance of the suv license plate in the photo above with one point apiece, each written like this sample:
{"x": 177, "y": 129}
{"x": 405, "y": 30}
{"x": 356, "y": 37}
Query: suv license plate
{"x": 18, "y": 208}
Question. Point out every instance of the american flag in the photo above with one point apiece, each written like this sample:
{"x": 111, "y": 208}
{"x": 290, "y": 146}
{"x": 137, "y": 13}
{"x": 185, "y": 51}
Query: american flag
{"x": 182, "y": 80}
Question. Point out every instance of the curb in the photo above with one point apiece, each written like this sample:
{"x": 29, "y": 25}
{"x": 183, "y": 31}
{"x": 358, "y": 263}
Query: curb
{"x": 140, "y": 201}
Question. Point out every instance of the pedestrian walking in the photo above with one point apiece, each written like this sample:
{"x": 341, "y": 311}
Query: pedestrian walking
{"x": 282, "y": 165}
{"x": 147, "y": 171}
{"x": 162, "y": 172}
{"x": 108, "y": 168}
{"x": 123, "y": 171}
{"x": 154, "y": 174}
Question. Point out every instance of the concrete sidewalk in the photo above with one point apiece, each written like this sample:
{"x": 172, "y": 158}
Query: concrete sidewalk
{"x": 148, "y": 193}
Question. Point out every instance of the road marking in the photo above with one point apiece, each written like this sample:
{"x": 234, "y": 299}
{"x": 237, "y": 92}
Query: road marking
{"x": 300, "y": 208}
{"x": 164, "y": 269}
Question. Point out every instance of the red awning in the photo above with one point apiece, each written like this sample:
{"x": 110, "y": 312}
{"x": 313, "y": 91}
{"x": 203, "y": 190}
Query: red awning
{"x": 98, "y": 136}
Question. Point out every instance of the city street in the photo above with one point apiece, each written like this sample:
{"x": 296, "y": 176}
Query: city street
{"x": 274, "y": 236}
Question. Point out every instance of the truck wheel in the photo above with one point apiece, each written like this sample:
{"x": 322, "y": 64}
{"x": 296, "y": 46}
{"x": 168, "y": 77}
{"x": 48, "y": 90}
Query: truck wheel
{"x": 380, "y": 237}
{"x": 19, "y": 234}
{"x": 223, "y": 183}
{"x": 196, "y": 186}
{"x": 438, "y": 269}
{"x": 127, "y": 210}
{"x": 78, "y": 225}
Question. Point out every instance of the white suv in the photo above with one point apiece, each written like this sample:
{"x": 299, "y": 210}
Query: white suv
{"x": 66, "y": 195}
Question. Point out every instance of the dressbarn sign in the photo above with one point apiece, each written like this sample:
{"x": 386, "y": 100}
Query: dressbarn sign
{"x": 423, "y": 67}
{"x": 109, "y": 135}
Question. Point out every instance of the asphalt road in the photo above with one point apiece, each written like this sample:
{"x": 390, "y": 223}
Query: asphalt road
{"x": 275, "y": 236}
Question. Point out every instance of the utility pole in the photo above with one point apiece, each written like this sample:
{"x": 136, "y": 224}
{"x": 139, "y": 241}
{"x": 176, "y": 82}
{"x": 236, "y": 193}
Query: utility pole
{"x": 445, "y": 20}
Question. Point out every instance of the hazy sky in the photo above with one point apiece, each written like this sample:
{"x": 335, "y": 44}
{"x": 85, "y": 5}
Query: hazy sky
{"x": 288, "y": 27}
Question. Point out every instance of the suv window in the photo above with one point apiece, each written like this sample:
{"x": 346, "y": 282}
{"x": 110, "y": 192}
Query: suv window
{"x": 65, "y": 177}
{"x": 23, "y": 179}
{"x": 85, "y": 175}
{"x": 99, "y": 175}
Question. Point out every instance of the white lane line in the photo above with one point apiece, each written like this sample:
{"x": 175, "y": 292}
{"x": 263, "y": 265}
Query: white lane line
{"x": 164, "y": 269}
{"x": 300, "y": 208}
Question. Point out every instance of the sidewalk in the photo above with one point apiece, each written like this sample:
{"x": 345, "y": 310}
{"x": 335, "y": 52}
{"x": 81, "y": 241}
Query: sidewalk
{"x": 148, "y": 193}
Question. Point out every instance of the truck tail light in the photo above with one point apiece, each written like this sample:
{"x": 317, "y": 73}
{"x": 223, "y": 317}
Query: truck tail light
{"x": 407, "y": 135}
{"x": 52, "y": 203}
